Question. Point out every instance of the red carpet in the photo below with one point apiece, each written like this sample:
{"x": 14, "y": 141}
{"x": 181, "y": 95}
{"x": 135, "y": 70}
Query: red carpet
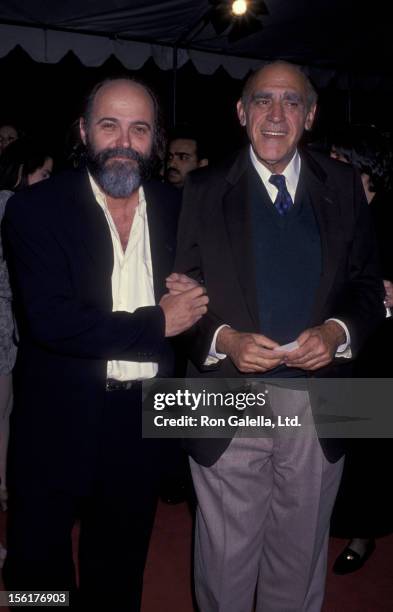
{"x": 167, "y": 577}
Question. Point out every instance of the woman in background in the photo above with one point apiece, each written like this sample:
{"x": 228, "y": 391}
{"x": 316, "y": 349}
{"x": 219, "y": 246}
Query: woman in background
{"x": 364, "y": 505}
{"x": 21, "y": 164}
{"x": 8, "y": 134}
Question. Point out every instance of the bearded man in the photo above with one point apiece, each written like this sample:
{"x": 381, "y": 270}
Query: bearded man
{"x": 89, "y": 252}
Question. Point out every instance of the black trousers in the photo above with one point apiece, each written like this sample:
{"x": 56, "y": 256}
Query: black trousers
{"x": 116, "y": 519}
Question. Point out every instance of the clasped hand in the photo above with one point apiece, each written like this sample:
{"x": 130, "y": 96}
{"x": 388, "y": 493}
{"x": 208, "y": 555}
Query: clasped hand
{"x": 317, "y": 347}
{"x": 184, "y": 304}
{"x": 255, "y": 352}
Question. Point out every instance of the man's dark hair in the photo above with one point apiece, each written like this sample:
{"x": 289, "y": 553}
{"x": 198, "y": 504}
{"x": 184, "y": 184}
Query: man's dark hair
{"x": 311, "y": 93}
{"x": 21, "y": 158}
{"x": 187, "y": 132}
{"x": 159, "y": 140}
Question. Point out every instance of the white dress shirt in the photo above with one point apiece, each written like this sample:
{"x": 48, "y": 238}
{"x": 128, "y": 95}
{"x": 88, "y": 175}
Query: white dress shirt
{"x": 132, "y": 279}
{"x": 291, "y": 173}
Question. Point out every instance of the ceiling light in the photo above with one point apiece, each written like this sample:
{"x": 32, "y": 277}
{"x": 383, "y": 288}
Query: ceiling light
{"x": 238, "y": 18}
{"x": 239, "y": 7}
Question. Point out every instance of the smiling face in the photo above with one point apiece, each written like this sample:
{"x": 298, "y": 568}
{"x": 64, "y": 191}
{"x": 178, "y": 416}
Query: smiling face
{"x": 275, "y": 113}
{"x": 122, "y": 116}
{"x": 119, "y": 136}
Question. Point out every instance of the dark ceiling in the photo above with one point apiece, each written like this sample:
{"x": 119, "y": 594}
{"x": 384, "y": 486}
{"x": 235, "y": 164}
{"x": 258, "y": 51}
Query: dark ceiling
{"x": 341, "y": 34}
{"x": 347, "y": 45}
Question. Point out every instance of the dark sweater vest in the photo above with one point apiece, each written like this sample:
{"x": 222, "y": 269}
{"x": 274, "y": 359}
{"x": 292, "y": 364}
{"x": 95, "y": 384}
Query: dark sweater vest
{"x": 287, "y": 262}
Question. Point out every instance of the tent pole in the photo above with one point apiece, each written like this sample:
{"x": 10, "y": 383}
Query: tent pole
{"x": 349, "y": 105}
{"x": 187, "y": 36}
{"x": 174, "y": 85}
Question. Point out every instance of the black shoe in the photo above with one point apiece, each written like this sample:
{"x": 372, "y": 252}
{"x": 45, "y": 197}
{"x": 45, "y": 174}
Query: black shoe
{"x": 350, "y": 561}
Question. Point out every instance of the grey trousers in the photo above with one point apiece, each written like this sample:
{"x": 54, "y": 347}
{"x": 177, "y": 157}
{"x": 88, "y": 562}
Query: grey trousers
{"x": 263, "y": 514}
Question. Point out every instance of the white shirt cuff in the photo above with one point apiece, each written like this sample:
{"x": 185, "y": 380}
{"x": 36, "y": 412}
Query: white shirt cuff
{"x": 213, "y": 356}
{"x": 344, "y": 350}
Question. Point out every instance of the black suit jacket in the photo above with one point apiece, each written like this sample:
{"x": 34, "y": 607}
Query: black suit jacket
{"x": 60, "y": 256}
{"x": 215, "y": 246}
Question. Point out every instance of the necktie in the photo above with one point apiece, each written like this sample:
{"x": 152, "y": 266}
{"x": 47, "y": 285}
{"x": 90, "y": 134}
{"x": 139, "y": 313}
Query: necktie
{"x": 283, "y": 201}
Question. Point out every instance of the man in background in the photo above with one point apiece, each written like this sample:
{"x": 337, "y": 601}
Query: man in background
{"x": 185, "y": 153}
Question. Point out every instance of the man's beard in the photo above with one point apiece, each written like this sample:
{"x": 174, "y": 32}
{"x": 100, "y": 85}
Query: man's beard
{"x": 119, "y": 178}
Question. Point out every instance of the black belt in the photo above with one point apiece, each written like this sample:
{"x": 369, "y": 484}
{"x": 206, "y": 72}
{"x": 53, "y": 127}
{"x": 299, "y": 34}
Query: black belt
{"x": 122, "y": 385}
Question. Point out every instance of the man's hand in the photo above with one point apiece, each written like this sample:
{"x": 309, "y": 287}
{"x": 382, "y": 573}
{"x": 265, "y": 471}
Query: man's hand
{"x": 249, "y": 352}
{"x": 317, "y": 347}
{"x": 388, "y": 301}
{"x": 178, "y": 283}
{"x": 183, "y": 310}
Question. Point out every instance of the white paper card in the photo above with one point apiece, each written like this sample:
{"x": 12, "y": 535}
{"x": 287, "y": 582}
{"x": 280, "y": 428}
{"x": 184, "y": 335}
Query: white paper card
{"x": 291, "y": 346}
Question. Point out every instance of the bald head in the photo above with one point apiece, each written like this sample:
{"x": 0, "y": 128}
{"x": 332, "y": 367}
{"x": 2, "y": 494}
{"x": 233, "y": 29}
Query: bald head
{"x": 118, "y": 88}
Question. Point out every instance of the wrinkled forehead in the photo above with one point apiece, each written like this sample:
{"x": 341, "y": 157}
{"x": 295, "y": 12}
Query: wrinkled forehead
{"x": 283, "y": 80}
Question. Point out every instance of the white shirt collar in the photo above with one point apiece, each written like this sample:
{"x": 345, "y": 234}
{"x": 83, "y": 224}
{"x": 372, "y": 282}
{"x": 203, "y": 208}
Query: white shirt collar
{"x": 291, "y": 173}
